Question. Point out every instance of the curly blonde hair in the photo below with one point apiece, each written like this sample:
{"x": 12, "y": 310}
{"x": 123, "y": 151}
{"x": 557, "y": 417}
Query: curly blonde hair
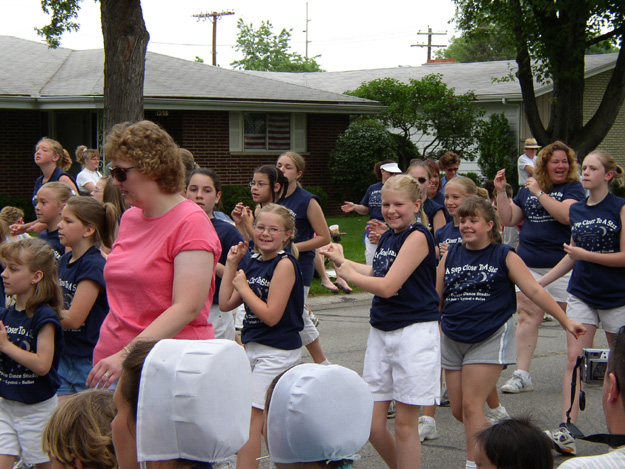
{"x": 542, "y": 176}
{"x": 151, "y": 149}
{"x": 80, "y": 428}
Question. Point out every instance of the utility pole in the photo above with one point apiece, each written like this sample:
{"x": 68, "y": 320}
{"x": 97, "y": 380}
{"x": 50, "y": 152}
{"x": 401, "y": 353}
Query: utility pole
{"x": 213, "y": 17}
{"x": 429, "y": 45}
{"x": 306, "y": 30}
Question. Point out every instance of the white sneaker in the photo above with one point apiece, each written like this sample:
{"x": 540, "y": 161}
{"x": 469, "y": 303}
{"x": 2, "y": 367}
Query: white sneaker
{"x": 563, "y": 441}
{"x": 517, "y": 384}
{"x": 495, "y": 415}
{"x": 427, "y": 430}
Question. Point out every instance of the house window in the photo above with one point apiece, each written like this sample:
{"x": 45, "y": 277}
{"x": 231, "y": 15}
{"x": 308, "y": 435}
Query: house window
{"x": 254, "y": 132}
{"x": 266, "y": 131}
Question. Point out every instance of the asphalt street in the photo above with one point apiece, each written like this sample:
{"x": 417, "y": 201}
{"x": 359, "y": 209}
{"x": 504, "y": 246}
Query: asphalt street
{"x": 344, "y": 327}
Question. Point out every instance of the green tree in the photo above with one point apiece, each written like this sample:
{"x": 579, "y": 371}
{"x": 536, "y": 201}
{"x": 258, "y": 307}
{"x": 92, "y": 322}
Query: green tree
{"x": 426, "y": 110}
{"x": 358, "y": 149}
{"x": 125, "y": 47}
{"x": 263, "y": 50}
{"x": 550, "y": 38}
{"x": 497, "y": 148}
{"x": 485, "y": 45}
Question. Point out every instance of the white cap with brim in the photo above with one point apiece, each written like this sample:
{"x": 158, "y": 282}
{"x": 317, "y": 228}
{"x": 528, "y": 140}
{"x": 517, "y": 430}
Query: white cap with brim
{"x": 391, "y": 168}
{"x": 318, "y": 413}
{"x": 195, "y": 401}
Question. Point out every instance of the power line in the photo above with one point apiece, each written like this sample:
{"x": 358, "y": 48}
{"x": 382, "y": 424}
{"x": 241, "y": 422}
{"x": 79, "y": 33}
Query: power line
{"x": 213, "y": 17}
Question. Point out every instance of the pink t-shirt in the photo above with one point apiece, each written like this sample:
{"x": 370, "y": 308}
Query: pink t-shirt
{"x": 139, "y": 273}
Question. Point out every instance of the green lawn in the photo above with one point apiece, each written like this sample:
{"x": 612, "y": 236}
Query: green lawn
{"x": 353, "y": 228}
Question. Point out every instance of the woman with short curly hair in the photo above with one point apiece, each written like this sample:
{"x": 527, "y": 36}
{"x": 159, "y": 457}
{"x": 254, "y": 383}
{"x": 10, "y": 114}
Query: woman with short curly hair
{"x": 160, "y": 274}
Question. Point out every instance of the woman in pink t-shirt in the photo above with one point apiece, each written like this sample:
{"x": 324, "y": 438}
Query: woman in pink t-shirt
{"x": 160, "y": 274}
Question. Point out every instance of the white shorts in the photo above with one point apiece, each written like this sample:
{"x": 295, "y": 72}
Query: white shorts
{"x": 222, "y": 321}
{"x": 310, "y": 333}
{"x": 267, "y": 363}
{"x": 404, "y": 364}
{"x": 239, "y": 315}
{"x": 21, "y": 429}
{"x": 556, "y": 289}
{"x": 498, "y": 349}
{"x": 611, "y": 319}
{"x": 369, "y": 250}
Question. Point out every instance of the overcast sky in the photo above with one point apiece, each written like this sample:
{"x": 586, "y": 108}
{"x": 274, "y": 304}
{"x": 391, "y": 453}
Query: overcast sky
{"x": 348, "y": 34}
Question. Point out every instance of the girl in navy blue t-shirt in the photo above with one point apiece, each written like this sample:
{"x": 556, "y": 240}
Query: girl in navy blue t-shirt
{"x": 272, "y": 290}
{"x": 596, "y": 254}
{"x": 205, "y": 190}
{"x": 31, "y": 340}
{"x": 434, "y": 212}
{"x": 402, "y": 361}
{"x": 85, "y": 225}
{"x": 51, "y": 199}
{"x": 476, "y": 281}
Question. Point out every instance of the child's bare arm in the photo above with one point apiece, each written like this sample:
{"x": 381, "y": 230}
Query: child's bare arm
{"x": 38, "y": 362}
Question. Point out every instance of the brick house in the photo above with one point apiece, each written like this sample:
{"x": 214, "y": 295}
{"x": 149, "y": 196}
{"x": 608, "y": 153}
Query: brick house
{"x": 229, "y": 120}
{"x": 494, "y": 96}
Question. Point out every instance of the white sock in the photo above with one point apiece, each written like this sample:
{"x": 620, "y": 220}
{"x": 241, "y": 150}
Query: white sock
{"x": 428, "y": 419}
{"x": 326, "y": 362}
{"x": 496, "y": 408}
{"x": 471, "y": 465}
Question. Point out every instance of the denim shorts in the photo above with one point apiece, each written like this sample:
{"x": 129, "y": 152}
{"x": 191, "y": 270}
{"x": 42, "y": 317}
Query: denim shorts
{"x": 73, "y": 372}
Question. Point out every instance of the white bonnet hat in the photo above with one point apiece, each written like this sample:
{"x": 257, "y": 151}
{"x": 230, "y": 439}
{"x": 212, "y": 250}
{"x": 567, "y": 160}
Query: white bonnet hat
{"x": 318, "y": 413}
{"x": 195, "y": 401}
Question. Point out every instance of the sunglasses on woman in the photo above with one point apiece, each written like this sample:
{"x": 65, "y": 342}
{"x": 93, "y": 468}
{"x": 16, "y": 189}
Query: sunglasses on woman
{"x": 120, "y": 173}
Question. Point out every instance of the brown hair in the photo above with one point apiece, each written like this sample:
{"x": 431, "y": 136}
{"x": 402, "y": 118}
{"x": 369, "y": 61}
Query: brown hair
{"x": 131, "y": 374}
{"x": 481, "y": 207}
{"x": 376, "y": 169}
{"x": 542, "y": 176}
{"x": 435, "y": 170}
{"x": 188, "y": 162}
{"x": 608, "y": 164}
{"x": 103, "y": 217}
{"x": 37, "y": 255}
{"x": 83, "y": 154}
{"x": 112, "y": 195}
{"x": 11, "y": 214}
{"x": 448, "y": 159}
{"x": 297, "y": 159}
{"x": 616, "y": 361}
{"x": 153, "y": 151}
{"x": 65, "y": 161}
{"x": 80, "y": 428}
{"x": 275, "y": 176}
{"x": 288, "y": 220}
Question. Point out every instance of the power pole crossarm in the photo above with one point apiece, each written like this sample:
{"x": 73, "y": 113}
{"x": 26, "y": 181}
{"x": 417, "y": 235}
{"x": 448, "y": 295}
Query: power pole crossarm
{"x": 213, "y": 17}
{"x": 429, "y": 45}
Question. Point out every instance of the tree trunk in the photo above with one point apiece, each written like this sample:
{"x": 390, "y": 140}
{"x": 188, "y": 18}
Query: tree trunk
{"x": 125, "y": 47}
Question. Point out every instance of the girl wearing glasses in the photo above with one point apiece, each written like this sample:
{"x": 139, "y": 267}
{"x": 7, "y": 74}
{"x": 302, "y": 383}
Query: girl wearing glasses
{"x": 434, "y": 212}
{"x": 596, "y": 254}
{"x": 89, "y": 176}
{"x": 160, "y": 274}
{"x": 272, "y": 291}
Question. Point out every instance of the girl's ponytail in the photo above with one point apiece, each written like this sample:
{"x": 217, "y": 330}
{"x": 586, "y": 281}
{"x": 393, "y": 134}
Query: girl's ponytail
{"x": 103, "y": 217}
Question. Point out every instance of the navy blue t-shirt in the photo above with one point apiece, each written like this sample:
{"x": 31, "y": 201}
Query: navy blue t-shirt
{"x": 542, "y": 237}
{"x": 478, "y": 295}
{"x": 417, "y": 299}
{"x": 431, "y": 208}
{"x": 228, "y": 236}
{"x": 52, "y": 238}
{"x": 448, "y": 234}
{"x": 56, "y": 175}
{"x": 285, "y": 334}
{"x": 373, "y": 201}
{"x": 18, "y": 383}
{"x": 597, "y": 228}
{"x": 90, "y": 266}
{"x": 297, "y": 203}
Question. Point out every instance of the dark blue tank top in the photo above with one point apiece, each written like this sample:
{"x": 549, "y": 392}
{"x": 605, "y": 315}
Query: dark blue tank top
{"x": 478, "y": 297}
{"x": 448, "y": 234}
{"x": 56, "y": 175}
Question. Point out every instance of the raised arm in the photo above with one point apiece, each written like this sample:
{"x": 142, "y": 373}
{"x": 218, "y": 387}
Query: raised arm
{"x": 509, "y": 213}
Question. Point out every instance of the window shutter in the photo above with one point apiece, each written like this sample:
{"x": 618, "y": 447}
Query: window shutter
{"x": 298, "y": 132}
{"x": 236, "y": 131}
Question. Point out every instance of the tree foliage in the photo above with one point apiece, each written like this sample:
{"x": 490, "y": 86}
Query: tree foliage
{"x": 497, "y": 148}
{"x": 486, "y": 45}
{"x": 358, "y": 149}
{"x": 550, "y": 38}
{"x": 125, "y": 48}
{"x": 427, "y": 112}
{"x": 265, "y": 51}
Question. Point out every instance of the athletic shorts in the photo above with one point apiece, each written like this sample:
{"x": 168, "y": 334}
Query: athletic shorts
{"x": 611, "y": 319}
{"x": 556, "y": 289}
{"x": 223, "y": 323}
{"x": 498, "y": 349}
{"x": 267, "y": 363}
{"x": 73, "y": 372}
{"x": 21, "y": 429}
{"x": 310, "y": 333}
{"x": 404, "y": 364}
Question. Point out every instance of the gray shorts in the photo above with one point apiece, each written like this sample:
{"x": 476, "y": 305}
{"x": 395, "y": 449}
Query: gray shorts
{"x": 498, "y": 349}
{"x": 611, "y": 319}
